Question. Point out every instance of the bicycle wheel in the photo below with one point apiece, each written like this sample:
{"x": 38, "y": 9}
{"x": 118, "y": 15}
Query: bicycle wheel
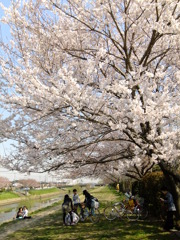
{"x": 143, "y": 212}
{"x": 120, "y": 207}
{"x": 132, "y": 215}
{"x": 95, "y": 215}
{"x": 110, "y": 213}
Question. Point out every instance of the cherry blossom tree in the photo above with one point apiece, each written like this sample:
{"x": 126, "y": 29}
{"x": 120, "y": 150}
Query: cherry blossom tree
{"x": 31, "y": 183}
{"x": 93, "y": 83}
{"x": 4, "y": 182}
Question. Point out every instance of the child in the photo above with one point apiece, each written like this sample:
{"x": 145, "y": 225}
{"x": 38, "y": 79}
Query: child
{"x": 76, "y": 200}
{"x": 88, "y": 199}
{"x": 88, "y": 202}
{"x": 67, "y": 207}
{"x": 25, "y": 213}
{"x": 20, "y": 213}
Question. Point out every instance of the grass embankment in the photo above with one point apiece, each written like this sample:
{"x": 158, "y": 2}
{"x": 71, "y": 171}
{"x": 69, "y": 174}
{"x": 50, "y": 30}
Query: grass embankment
{"x": 44, "y": 191}
{"x": 50, "y": 227}
{"x": 8, "y": 195}
{"x": 11, "y": 197}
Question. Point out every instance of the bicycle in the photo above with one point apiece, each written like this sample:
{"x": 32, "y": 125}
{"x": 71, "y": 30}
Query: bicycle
{"x": 137, "y": 212}
{"x": 114, "y": 211}
{"x": 126, "y": 208}
{"x": 143, "y": 212}
{"x": 93, "y": 214}
{"x": 136, "y": 209}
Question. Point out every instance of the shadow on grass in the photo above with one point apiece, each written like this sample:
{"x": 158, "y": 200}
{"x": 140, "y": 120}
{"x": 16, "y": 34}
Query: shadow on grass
{"x": 51, "y": 228}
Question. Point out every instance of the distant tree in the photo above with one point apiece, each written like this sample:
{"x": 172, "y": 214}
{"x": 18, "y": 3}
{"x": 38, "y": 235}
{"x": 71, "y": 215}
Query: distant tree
{"x": 31, "y": 183}
{"x": 4, "y": 182}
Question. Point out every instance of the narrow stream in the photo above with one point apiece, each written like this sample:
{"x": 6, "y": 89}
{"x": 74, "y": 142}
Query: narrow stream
{"x": 8, "y": 212}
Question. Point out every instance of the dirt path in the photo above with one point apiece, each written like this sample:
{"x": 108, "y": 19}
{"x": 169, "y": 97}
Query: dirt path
{"x": 15, "y": 225}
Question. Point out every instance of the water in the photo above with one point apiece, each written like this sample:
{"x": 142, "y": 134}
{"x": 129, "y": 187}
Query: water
{"x": 8, "y": 212}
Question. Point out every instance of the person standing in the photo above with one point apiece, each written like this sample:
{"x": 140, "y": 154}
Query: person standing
{"x": 67, "y": 207}
{"x": 87, "y": 202}
{"x": 76, "y": 200}
{"x": 168, "y": 200}
{"x": 88, "y": 199}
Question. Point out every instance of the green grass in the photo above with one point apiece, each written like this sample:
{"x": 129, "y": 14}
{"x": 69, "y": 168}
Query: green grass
{"x": 6, "y": 209}
{"x": 8, "y": 195}
{"x": 44, "y": 191}
{"x": 51, "y": 228}
{"x": 46, "y": 208}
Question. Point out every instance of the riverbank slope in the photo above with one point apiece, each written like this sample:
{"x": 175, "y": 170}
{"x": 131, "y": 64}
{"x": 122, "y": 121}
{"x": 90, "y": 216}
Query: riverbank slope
{"x": 32, "y": 197}
{"x": 47, "y": 224}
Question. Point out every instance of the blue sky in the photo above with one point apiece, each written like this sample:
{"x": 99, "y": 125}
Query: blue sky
{"x": 5, "y": 147}
{"x": 4, "y": 28}
{"x": 5, "y": 36}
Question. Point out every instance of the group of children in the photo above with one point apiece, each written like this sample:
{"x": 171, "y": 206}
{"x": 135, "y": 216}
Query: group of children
{"x": 70, "y": 206}
{"x": 22, "y": 213}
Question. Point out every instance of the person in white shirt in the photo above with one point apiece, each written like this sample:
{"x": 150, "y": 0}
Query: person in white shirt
{"x": 25, "y": 212}
{"x": 128, "y": 194}
{"x": 76, "y": 200}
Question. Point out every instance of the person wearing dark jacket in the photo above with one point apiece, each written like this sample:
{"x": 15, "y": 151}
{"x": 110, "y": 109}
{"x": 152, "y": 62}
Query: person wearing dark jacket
{"x": 87, "y": 202}
{"x": 88, "y": 199}
{"x": 168, "y": 200}
{"x": 67, "y": 207}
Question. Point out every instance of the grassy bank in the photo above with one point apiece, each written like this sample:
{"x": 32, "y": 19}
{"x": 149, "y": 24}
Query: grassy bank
{"x": 43, "y": 191}
{"x": 51, "y": 227}
{"x": 8, "y": 195}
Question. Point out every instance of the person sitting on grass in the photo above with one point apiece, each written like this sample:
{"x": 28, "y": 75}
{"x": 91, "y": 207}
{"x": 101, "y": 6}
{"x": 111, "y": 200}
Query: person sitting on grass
{"x": 128, "y": 194}
{"x": 130, "y": 201}
{"x": 20, "y": 213}
{"x": 67, "y": 207}
{"x": 25, "y": 213}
